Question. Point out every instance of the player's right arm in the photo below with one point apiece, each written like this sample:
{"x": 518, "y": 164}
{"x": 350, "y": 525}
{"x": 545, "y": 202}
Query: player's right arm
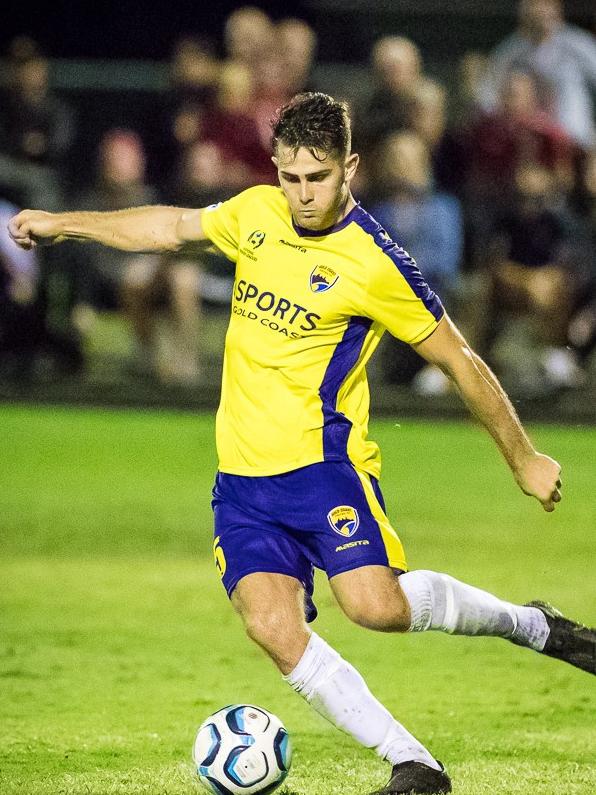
{"x": 140, "y": 229}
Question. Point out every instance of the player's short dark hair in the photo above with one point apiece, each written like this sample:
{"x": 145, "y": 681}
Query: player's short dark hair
{"x": 315, "y": 121}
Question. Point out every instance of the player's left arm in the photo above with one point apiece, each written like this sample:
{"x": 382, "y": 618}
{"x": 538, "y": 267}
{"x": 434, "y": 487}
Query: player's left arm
{"x": 537, "y": 475}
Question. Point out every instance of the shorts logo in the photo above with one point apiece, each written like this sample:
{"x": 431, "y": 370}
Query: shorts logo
{"x": 322, "y": 278}
{"x": 220, "y": 559}
{"x": 344, "y": 520}
{"x": 256, "y": 239}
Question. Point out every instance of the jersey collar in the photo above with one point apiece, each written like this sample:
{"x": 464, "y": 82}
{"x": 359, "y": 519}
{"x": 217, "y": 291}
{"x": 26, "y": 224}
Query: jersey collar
{"x": 351, "y": 216}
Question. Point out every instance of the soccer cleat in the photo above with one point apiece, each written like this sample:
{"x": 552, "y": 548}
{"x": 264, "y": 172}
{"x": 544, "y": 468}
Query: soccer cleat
{"x": 568, "y": 640}
{"x": 408, "y": 778}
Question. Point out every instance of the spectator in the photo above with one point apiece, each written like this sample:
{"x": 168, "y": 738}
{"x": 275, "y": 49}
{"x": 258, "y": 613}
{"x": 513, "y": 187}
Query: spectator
{"x": 114, "y": 279}
{"x": 498, "y": 142}
{"x": 425, "y": 222}
{"x": 562, "y": 56}
{"x": 532, "y": 273}
{"x": 297, "y": 43}
{"x": 582, "y": 326}
{"x": 201, "y": 177}
{"x": 193, "y": 76}
{"x": 282, "y": 71}
{"x": 427, "y": 114}
{"x": 205, "y": 278}
{"x": 20, "y": 322}
{"x": 229, "y": 125}
{"x": 248, "y": 34}
{"x": 415, "y": 215}
{"x": 470, "y": 75}
{"x": 36, "y": 132}
{"x": 194, "y": 69}
{"x": 397, "y": 66}
{"x": 427, "y": 117}
{"x": 32, "y": 343}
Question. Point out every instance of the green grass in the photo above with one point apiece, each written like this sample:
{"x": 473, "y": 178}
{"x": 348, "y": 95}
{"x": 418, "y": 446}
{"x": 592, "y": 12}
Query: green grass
{"x": 117, "y": 640}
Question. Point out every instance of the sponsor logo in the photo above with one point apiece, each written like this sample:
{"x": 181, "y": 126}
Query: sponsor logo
{"x": 298, "y": 247}
{"x": 256, "y": 239}
{"x": 344, "y": 520}
{"x": 213, "y": 206}
{"x": 273, "y": 311}
{"x": 322, "y": 279}
{"x": 351, "y": 545}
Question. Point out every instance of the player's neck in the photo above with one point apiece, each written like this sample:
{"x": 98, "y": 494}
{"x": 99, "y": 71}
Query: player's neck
{"x": 347, "y": 205}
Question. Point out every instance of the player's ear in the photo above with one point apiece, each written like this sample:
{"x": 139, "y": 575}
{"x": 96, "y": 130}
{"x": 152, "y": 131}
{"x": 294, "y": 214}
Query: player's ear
{"x": 274, "y": 160}
{"x": 351, "y": 165}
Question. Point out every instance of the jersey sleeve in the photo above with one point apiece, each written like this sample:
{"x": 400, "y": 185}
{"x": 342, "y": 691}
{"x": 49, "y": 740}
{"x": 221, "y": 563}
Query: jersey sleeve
{"x": 399, "y": 298}
{"x": 221, "y": 225}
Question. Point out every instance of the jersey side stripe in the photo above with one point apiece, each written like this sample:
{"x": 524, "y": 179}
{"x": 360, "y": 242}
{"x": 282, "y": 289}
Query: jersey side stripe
{"x": 405, "y": 264}
{"x": 336, "y": 426}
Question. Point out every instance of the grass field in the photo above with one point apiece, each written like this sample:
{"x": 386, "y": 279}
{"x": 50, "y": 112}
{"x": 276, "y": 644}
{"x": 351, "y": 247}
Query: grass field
{"x": 116, "y": 638}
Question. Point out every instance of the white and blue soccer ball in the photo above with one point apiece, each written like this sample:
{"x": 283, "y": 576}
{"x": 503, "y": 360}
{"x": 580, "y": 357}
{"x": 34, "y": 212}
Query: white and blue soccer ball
{"x": 242, "y": 749}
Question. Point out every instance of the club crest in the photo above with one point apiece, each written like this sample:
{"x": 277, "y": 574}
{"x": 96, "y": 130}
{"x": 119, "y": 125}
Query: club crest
{"x": 322, "y": 278}
{"x": 344, "y": 520}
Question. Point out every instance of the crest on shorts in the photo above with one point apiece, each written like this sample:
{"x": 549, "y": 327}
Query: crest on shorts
{"x": 322, "y": 278}
{"x": 344, "y": 520}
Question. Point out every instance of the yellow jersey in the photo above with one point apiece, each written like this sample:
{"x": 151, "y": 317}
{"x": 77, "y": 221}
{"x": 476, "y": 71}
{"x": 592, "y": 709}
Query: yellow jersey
{"x": 308, "y": 310}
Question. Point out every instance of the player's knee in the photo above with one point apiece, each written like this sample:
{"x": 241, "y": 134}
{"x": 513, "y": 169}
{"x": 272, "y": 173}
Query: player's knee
{"x": 380, "y": 614}
{"x": 271, "y": 630}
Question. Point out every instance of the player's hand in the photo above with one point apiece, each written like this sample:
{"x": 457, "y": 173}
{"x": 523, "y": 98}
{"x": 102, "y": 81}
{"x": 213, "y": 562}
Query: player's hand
{"x": 32, "y": 228}
{"x": 540, "y": 476}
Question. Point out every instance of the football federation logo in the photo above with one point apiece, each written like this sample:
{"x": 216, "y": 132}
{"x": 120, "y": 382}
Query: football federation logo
{"x": 344, "y": 520}
{"x": 322, "y": 278}
{"x": 256, "y": 239}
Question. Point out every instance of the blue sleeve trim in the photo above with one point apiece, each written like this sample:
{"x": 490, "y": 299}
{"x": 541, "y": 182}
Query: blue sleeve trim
{"x": 405, "y": 264}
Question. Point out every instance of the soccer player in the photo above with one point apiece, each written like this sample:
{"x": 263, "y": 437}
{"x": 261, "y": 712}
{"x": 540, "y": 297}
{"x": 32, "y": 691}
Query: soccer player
{"x": 318, "y": 281}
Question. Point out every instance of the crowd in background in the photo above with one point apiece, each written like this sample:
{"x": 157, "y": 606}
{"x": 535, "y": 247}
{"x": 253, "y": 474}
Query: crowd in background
{"x": 490, "y": 184}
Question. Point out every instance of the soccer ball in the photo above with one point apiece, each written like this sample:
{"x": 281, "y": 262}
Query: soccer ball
{"x": 242, "y": 749}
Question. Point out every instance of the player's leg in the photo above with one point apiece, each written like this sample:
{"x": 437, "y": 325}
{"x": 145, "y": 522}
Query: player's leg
{"x": 272, "y": 609}
{"x": 268, "y": 572}
{"x": 423, "y": 600}
{"x": 374, "y": 597}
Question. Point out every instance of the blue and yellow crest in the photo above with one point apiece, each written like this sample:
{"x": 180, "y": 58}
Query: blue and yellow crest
{"x": 322, "y": 278}
{"x": 344, "y": 520}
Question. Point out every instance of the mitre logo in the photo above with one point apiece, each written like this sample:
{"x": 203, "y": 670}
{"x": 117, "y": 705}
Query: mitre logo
{"x": 344, "y": 520}
{"x": 256, "y": 239}
{"x": 322, "y": 278}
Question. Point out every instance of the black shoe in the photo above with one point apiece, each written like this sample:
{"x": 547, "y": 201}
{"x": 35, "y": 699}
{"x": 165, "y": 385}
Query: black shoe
{"x": 416, "y": 777}
{"x": 568, "y": 640}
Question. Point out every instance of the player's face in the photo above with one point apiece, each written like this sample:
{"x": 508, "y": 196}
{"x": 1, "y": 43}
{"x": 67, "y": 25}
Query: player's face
{"x": 316, "y": 189}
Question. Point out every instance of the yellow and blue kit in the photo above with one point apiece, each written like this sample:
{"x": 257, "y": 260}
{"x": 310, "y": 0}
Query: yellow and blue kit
{"x": 308, "y": 310}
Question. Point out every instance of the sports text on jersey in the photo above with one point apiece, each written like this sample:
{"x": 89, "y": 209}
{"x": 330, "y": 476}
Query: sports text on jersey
{"x": 273, "y": 310}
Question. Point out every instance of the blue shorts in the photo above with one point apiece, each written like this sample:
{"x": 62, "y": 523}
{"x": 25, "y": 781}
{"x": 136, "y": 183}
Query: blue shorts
{"x": 327, "y": 515}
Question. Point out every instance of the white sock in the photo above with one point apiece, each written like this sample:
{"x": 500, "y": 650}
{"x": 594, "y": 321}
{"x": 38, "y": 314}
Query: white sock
{"x": 438, "y": 601}
{"x": 339, "y": 693}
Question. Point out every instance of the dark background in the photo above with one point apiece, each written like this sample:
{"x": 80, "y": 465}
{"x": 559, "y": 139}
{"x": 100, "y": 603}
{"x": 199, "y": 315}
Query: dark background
{"x": 125, "y": 28}
{"x": 141, "y": 30}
